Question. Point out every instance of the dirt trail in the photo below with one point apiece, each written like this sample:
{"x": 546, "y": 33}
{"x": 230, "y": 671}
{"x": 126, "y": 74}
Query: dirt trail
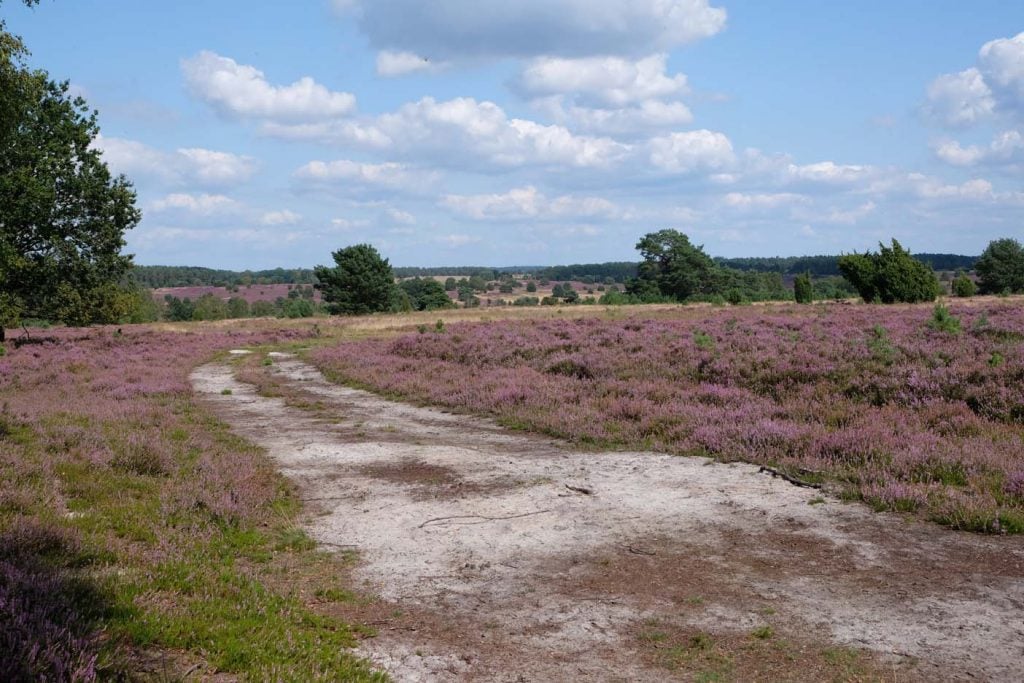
{"x": 527, "y": 561}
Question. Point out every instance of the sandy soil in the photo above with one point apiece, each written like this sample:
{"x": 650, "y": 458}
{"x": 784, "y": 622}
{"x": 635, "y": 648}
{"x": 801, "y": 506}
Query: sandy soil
{"x": 515, "y": 558}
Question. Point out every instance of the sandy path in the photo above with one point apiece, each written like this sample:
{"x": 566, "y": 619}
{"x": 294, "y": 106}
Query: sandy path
{"x": 526, "y": 579}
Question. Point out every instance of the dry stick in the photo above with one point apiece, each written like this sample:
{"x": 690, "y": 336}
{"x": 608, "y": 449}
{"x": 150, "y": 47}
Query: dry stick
{"x": 580, "y": 489}
{"x": 480, "y": 517}
{"x": 792, "y": 480}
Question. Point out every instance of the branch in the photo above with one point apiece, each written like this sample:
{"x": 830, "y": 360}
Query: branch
{"x": 792, "y": 480}
{"x": 483, "y": 519}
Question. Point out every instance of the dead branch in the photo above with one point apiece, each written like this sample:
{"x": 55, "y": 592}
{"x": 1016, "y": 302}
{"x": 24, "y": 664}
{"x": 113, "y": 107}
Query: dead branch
{"x": 639, "y": 551}
{"x": 482, "y": 518}
{"x": 580, "y": 489}
{"x": 785, "y": 477}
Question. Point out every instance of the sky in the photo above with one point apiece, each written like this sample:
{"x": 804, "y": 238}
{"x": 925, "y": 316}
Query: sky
{"x": 539, "y": 132}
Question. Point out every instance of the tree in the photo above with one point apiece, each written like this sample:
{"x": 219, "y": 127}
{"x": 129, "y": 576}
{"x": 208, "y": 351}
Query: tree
{"x": 1001, "y": 267}
{"x": 361, "y": 281}
{"x": 802, "y": 290}
{"x": 62, "y": 215}
{"x": 892, "y": 275}
{"x": 673, "y": 267}
{"x": 963, "y": 286}
{"x": 426, "y": 294}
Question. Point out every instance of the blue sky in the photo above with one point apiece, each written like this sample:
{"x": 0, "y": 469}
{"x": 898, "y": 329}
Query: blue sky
{"x": 547, "y": 131}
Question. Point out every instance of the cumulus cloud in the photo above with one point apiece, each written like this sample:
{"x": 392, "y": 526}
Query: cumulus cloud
{"x": 960, "y": 99}
{"x": 457, "y": 239}
{"x": 390, "y": 64}
{"x": 242, "y": 91}
{"x": 392, "y": 175}
{"x": 283, "y": 217}
{"x": 762, "y": 201}
{"x": 202, "y": 204}
{"x": 192, "y": 165}
{"x": 995, "y": 86}
{"x": 611, "y": 81}
{"x": 1006, "y": 150}
{"x": 828, "y": 172}
{"x": 453, "y": 29}
{"x": 528, "y": 202}
{"x": 691, "y": 151}
{"x": 480, "y": 131}
{"x": 646, "y": 116}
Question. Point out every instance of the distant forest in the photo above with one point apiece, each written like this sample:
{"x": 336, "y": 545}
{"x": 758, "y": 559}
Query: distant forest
{"x": 155, "y": 277}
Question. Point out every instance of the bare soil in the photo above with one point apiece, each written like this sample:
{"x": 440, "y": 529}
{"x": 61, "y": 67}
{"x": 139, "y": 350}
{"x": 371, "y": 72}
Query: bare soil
{"x": 499, "y": 556}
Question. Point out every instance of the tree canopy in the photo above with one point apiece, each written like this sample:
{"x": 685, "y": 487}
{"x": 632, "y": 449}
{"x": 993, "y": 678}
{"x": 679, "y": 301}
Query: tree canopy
{"x": 892, "y": 275}
{"x": 62, "y": 214}
{"x": 673, "y": 267}
{"x": 1001, "y": 267}
{"x": 361, "y": 281}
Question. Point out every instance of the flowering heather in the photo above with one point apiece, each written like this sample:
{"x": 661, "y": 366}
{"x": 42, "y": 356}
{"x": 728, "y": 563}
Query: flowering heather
{"x": 122, "y": 507}
{"x": 872, "y": 399}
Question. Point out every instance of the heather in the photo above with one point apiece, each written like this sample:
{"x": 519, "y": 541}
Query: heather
{"x": 136, "y": 533}
{"x": 906, "y": 408}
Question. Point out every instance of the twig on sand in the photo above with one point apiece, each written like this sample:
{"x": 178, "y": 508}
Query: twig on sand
{"x": 482, "y": 518}
{"x": 792, "y": 480}
{"x": 580, "y": 489}
{"x": 639, "y": 551}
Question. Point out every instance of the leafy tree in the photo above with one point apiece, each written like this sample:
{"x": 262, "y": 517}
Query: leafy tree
{"x": 1001, "y": 267}
{"x": 450, "y": 285}
{"x": 238, "y": 307}
{"x": 209, "y": 307}
{"x": 531, "y": 286}
{"x": 62, "y": 215}
{"x": 964, "y": 286}
{"x": 892, "y": 275}
{"x": 361, "y": 281}
{"x": 673, "y": 267}
{"x": 426, "y": 294}
{"x": 179, "y": 309}
{"x": 263, "y": 309}
{"x": 802, "y": 290}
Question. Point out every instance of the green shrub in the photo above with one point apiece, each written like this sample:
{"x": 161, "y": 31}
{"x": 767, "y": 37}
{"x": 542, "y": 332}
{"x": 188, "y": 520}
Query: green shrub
{"x": 944, "y": 321}
{"x": 964, "y": 287}
{"x": 802, "y": 290}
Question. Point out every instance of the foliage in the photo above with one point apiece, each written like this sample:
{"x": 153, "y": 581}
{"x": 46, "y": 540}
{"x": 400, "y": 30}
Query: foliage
{"x": 889, "y": 276}
{"x": 943, "y": 321}
{"x": 62, "y": 215}
{"x": 674, "y": 267}
{"x": 156, "y": 277}
{"x": 426, "y": 294}
{"x": 361, "y": 281}
{"x": 802, "y": 290}
{"x": 130, "y": 518}
{"x": 963, "y": 286}
{"x": 887, "y": 409}
{"x": 1000, "y": 267}
{"x": 615, "y": 271}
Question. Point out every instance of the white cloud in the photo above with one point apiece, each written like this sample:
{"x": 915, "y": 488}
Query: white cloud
{"x": 1002, "y": 63}
{"x": 399, "y": 216}
{"x": 393, "y": 175}
{"x": 463, "y": 131}
{"x": 202, "y": 204}
{"x": 651, "y": 114}
{"x": 443, "y": 29}
{"x": 608, "y": 81}
{"x": 960, "y": 99}
{"x": 457, "y": 239}
{"x": 1006, "y": 150}
{"x": 390, "y": 64}
{"x": 762, "y": 201}
{"x": 829, "y": 172}
{"x": 690, "y": 151}
{"x": 183, "y": 166}
{"x": 528, "y": 202}
{"x": 283, "y": 217}
{"x": 214, "y": 167}
{"x": 240, "y": 90}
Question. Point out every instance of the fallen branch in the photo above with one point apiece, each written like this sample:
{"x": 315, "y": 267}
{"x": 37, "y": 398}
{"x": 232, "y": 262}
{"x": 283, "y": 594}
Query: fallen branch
{"x": 792, "y": 480}
{"x": 580, "y": 489}
{"x": 639, "y": 551}
{"x": 483, "y": 519}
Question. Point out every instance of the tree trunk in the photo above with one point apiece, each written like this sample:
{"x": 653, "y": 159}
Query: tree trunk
{"x": 2, "y": 334}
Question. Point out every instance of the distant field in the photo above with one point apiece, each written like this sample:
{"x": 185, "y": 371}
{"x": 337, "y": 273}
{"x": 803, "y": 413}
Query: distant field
{"x": 870, "y": 400}
{"x": 250, "y": 293}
